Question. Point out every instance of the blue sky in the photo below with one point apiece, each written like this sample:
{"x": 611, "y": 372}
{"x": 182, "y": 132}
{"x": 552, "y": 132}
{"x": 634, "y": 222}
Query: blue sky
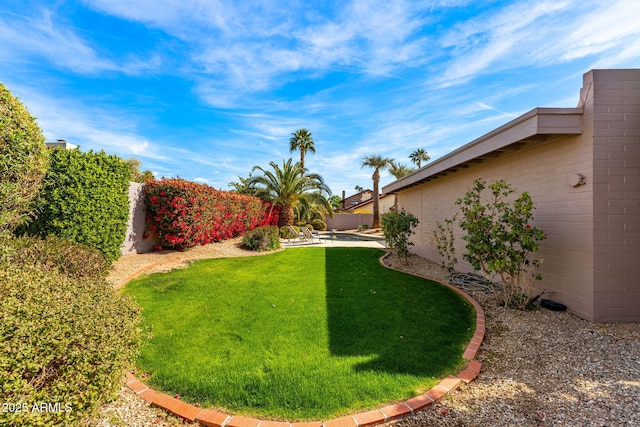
{"x": 207, "y": 89}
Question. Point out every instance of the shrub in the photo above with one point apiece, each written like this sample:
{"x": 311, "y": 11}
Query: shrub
{"x": 85, "y": 199}
{"x": 262, "y": 239}
{"x": 319, "y": 224}
{"x": 445, "y": 243}
{"x": 23, "y": 160}
{"x": 286, "y": 233}
{"x": 397, "y": 228}
{"x": 57, "y": 254}
{"x": 500, "y": 239}
{"x": 185, "y": 214}
{"x": 64, "y": 341}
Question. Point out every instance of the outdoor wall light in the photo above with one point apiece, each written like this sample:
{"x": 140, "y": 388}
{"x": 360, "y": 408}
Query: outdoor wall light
{"x": 576, "y": 179}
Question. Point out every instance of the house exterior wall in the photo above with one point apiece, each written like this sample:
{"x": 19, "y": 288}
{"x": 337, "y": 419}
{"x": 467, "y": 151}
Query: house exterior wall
{"x": 562, "y": 211}
{"x": 616, "y": 138}
{"x": 592, "y": 250}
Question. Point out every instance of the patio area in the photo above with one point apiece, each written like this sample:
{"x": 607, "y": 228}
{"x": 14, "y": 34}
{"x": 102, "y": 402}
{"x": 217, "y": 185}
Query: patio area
{"x": 336, "y": 238}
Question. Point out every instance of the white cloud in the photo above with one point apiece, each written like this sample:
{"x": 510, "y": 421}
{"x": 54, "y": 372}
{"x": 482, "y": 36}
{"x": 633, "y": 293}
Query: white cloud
{"x": 613, "y": 25}
{"x": 45, "y": 39}
{"x": 202, "y": 180}
{"x": 52, "y": 39}
{"x": 486, "y": 40}
{"x": 543, "y": 33}
{"x": 250, "y": 47}
{"x": 91, "y": 127}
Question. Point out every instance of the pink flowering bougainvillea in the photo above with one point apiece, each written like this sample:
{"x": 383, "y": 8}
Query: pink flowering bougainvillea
{"x": 184, "y": 214}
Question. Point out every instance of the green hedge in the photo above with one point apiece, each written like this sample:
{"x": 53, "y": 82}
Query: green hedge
{"x": 85, "y": 199}
{"x": 23, "y": 160}
{"x": 66, "y": 335}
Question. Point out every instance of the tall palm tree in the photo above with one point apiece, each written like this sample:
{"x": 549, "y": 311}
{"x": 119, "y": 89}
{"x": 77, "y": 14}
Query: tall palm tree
{"x": 289, "y": 186}
{"x": 378, "y": 163}
{"x": 398, "y": 170}
{"x": 419, "y": 156}
{"x": 303, "y": 141}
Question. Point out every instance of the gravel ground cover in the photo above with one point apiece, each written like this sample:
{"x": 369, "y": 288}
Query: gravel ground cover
{"x": 540, "y": 368}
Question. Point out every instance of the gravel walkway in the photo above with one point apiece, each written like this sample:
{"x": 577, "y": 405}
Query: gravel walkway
{"x": 540, "y": 368}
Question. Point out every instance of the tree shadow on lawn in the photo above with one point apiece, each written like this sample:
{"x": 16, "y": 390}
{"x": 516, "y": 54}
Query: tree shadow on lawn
{"x": 408, "y": 325}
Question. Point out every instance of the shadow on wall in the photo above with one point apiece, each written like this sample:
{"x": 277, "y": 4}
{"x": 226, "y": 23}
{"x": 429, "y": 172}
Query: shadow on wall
{"x": 134, "y": 243}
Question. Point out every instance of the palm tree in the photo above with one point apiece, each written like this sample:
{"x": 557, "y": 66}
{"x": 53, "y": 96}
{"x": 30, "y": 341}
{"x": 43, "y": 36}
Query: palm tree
{"x": 289, "y": 186}
{"x": 419, "y": 156}
{"x": 242, "y": 185}
{"x": 399, "y": 170}
{"x": 303, "y": 141}
{"x": 378, "y": 163}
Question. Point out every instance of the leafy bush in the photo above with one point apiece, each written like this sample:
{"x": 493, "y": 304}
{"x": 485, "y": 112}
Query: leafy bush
{"x": 184, "y": 214}
{"x": 57, "y": 254}
{"x": 262, "y": 239}
{"x": 445, "y": 243}
{"x": 286, "y": 233}
{"x": 500, "y": 239}
{"x": 23, "y": 160}
{"x": 397, "y": 228}
{"x": 318, "y": 224}
{"x": 85, "y": 199}
{"x": 64, "y": 341}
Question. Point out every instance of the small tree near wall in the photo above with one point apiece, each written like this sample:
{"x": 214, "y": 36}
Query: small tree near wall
{"x": 500, "y": 238}
{"x": 445, "y": 243}
{"x": 397, "y": 227}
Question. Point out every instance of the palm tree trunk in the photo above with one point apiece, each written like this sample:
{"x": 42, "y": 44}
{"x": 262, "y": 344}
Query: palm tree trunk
{"x": 376, "y": 200}
{"x": 286, "y": 216}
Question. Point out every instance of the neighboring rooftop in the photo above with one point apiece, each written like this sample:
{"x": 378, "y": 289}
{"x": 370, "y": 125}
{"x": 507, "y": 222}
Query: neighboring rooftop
{"x": 61, "y": 143}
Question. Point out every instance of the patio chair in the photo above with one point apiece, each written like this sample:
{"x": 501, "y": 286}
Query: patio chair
{"x": 300, "y": 236}
{"x": 308, "y": 234}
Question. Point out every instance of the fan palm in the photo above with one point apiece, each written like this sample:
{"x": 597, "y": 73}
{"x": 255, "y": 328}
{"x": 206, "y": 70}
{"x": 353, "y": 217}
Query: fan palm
{"x": 289, "y": 186}
{"x": 303, "y": 141}
{"x": 378, "y": 163}
{"x": 398, "y": 170}
{"x": 419, "y": 156}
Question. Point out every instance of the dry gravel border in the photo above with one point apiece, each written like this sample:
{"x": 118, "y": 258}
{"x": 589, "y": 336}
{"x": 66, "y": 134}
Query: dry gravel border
{"x": 540, "y": 368}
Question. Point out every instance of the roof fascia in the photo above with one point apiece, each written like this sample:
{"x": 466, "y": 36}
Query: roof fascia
{"x": 536, "y": 125}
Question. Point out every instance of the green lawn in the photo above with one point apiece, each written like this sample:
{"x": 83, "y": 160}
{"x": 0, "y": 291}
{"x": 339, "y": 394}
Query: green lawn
{"x": 308, "y": 333}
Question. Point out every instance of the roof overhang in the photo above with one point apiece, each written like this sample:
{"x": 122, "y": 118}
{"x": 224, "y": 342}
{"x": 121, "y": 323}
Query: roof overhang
{"x": 538, "y": 125}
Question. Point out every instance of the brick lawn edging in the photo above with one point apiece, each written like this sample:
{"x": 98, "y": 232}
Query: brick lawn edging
{"x": 395, "y": 411}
